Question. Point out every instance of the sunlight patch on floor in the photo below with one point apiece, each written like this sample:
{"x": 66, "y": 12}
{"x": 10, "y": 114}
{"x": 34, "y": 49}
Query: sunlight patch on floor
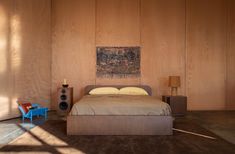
{"x": 40, "y": 137}
{"x": 69, "y": 150}
{"x": 48, "y": 138}
{"x": 30, "y": 140}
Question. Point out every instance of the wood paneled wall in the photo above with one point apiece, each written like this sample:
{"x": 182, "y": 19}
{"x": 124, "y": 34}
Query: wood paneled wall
{"x": 206, "y": 53}
{"x": 191, "y": 38}
{"x": 73, "y": 44}
{"x": 25, "y": 49}
{"x": 230, "y": 101}
{"x": 181, "y": 37}
{"x": 163, "y": 42}
{"x": 118, "y": 24}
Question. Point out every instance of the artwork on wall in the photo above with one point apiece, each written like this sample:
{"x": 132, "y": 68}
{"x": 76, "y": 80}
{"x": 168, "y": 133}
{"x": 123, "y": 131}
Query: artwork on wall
{"x": 118, "y": 62}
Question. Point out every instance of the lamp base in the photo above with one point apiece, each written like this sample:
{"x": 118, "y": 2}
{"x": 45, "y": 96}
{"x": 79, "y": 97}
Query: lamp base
{"x": 173, "y": 91}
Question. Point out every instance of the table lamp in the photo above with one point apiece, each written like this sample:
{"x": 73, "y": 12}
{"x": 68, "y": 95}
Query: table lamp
{"x": 174, "y": 83}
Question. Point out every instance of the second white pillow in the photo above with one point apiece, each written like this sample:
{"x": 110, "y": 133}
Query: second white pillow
{"x": 133, "y": 91}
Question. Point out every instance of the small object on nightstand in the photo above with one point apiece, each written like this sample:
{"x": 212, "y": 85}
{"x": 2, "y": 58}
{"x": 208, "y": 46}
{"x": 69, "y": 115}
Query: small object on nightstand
{"x": 65, "y": 84}
{"x": 178, "y": 104}
{"x": 174, "y": 83}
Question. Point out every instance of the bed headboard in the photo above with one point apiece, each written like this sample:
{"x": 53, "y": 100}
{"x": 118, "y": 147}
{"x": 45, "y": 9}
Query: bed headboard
{"x": 88, "y": 88}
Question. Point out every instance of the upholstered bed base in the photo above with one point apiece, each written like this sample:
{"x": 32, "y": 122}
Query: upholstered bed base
{"x": 119, "y": 125}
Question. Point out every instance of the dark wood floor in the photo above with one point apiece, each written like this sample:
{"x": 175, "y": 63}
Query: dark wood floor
{"x": 222, "y": 123}
{"x": 218, "y": 124}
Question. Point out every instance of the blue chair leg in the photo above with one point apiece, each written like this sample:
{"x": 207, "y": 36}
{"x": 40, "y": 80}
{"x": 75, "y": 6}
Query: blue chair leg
{"x": 23, "y": 119}
{"x": 31, "y": 118}
{"x": 45, "y": 114}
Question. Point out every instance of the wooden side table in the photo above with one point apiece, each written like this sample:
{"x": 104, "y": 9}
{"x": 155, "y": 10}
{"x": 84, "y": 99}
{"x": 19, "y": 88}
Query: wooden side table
{"x": 178, "y": 104}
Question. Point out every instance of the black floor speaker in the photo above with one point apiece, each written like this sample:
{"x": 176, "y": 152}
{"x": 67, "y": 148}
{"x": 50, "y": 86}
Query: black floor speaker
{"x": 65, "y": 100}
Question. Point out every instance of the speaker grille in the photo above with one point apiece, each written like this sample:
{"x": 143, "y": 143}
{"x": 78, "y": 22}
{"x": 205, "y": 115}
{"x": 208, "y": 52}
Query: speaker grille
{"x": 63, "y": 105}
{"x": 63, "y": 97}
{"x": 63, "y": 91}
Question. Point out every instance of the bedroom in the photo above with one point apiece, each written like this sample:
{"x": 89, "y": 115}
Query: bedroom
{"x": 43, "y": 42}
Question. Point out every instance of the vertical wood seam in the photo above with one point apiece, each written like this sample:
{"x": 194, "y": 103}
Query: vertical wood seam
{"x": 13, "y": 70}
{"x": 186, "y": 51}
{"x": 51, "y": 59}
{"x": 226, "y": 51}
{"x": 95, "y": 39}
{"x": 140, "y": 43}
{"x": 228, "y": 15}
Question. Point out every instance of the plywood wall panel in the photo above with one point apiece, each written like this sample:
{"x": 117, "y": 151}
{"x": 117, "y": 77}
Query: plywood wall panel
{"x": 27, "y": 54}
{"x": 206, "y": 54}
{"x": 180, "y": 37}
{"x": 163, "y": 43}
{"x": 230, "y": 84}
{"x": 118, "y": 23}
{"x": 73, "y": 44}
{"x": 31, "y": 50}
{"x": 6, "y": 74}
{"x": 118, "y": 81}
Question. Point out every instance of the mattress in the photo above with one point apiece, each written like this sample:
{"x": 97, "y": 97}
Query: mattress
{"x": 120, "y": 105}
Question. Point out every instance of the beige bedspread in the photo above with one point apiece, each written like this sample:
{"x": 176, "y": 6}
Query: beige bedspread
{"x": 120, "y": 105}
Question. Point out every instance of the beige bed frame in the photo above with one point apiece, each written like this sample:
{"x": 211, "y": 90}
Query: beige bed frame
{"x": 119, "y": 125}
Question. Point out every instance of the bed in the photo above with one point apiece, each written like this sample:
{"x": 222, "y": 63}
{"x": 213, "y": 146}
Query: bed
{"x": 119, "y": 115}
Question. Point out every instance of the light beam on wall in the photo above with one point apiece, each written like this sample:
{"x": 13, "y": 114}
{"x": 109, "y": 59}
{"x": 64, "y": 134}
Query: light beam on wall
{"x": 15, "y": 41}
{"x": 3, "y": 40}
{"x": 5, "y": 107}
{"x": 10, "y": 59}
{"x": 14, "y": 107}
{"x": 16, "y": 55}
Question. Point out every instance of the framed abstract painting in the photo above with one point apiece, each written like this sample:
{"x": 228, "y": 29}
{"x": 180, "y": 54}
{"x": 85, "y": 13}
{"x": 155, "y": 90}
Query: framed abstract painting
{"x": 118, "y": 62}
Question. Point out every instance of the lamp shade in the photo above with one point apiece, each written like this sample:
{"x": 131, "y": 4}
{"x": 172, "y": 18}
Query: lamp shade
{"x": 174, "y": 81}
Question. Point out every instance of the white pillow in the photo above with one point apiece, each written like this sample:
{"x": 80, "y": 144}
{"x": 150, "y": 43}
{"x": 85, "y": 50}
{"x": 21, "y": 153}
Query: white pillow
{"x": 133, "y": 91}
{"x": 104, "y": 91}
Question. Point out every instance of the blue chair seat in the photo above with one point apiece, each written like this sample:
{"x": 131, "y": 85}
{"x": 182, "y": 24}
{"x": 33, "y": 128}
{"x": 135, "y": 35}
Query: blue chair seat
{"x": 36, "y": 111}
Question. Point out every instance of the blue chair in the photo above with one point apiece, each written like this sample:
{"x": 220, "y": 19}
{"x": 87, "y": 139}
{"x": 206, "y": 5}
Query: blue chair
{"x": 36, "y": 111}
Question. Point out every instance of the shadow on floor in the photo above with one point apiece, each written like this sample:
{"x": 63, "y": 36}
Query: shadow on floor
{"x": 51, "y": 137}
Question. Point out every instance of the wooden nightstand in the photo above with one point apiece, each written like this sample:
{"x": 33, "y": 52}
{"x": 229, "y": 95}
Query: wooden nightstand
{"x": 178, "y": 104}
